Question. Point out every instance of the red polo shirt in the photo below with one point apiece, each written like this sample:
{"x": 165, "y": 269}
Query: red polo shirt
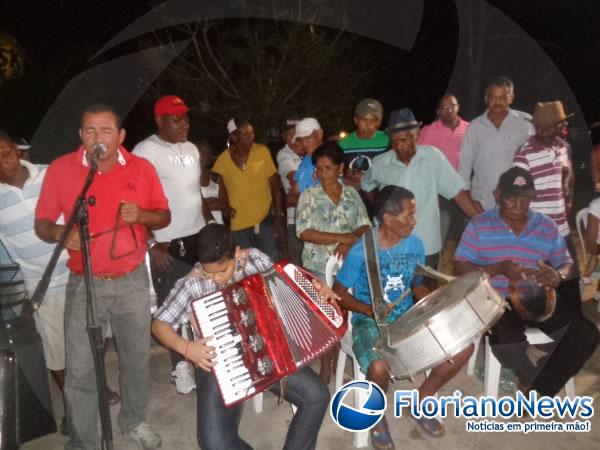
{"x": 116, "y": 247}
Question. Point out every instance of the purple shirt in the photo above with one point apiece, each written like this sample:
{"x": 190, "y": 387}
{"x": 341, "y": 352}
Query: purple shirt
{"x": 444, "y": 138}
{"x": 488, "y": 240}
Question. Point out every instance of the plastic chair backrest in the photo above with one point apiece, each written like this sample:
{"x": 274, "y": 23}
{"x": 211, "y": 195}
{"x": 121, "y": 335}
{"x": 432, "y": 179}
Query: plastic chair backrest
{"x": 331, "y": 268}
{"x": 581, "y": 224}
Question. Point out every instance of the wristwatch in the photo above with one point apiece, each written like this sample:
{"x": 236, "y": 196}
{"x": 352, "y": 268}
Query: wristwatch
{"x": 562, "y": 275}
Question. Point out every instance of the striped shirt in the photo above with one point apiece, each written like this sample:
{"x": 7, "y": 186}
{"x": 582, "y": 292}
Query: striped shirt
{"x": 546, "y": 164}
{"x": 488, "y": 240}
{"x": 177, "y": 307}
{"x": 17, "y": 207}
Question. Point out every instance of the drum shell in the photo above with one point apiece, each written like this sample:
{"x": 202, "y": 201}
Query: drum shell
{"x": 409, "y": 350}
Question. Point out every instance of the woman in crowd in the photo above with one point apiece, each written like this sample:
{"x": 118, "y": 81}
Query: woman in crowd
{"x": 330, "y": 217}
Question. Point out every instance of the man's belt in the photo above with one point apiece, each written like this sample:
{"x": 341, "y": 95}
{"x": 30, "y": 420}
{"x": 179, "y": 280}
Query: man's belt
{"x": 110, "y": 276}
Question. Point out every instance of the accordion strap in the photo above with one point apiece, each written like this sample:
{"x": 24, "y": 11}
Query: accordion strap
{"x": 282, "y": 389}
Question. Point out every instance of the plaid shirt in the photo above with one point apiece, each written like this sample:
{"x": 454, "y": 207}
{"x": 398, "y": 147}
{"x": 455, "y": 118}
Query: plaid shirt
{"x": 177, "y": 307}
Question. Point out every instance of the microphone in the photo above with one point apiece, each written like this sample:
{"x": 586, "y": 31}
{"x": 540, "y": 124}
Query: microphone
{"x": 98, "y": 149}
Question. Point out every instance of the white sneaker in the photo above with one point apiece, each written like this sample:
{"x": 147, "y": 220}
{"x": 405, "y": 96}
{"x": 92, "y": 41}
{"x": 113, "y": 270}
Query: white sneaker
{"x": 183, "y": 377}
{"x": 146, "y": 436}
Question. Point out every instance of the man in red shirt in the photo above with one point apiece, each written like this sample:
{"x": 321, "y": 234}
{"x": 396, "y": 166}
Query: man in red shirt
{"x": 128, "y": 201}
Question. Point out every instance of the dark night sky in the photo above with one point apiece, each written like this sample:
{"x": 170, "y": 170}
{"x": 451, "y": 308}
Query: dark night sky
{"x": 60, "y": 36}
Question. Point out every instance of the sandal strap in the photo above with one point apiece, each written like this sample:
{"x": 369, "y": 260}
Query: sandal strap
{"x": 382, "y": 439}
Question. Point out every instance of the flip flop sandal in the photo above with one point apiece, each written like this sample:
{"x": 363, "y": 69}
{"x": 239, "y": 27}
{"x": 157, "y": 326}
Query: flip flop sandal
{"x": 381, "y": 439}
{"x": 429, "y": 426}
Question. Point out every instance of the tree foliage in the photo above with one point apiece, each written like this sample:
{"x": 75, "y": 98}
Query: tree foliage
{"x": 267, "y": 69}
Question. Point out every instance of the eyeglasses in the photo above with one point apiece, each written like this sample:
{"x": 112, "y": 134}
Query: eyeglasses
{"x": 327, "y": 168}
{"x": 448, "y": 107}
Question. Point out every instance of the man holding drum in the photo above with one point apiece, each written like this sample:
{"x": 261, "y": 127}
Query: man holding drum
{"x": 398, "y": 252}
{"x": 517, "y": 246}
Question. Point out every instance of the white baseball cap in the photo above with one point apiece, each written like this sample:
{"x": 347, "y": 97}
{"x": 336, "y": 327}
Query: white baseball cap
{"x": 305, "y": 128}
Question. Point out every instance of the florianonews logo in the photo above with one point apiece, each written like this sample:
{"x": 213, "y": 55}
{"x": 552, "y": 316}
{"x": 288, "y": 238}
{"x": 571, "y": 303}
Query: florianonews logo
{"x": 366, "y": 415}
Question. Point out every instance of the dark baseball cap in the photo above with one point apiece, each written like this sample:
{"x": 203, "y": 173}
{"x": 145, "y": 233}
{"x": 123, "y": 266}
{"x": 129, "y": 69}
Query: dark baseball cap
{"x": 516, "y": 181}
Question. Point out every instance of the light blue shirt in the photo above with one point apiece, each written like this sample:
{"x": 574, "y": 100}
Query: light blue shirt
{"x": 428, "y": 175}
{"x": 396, "y": 269}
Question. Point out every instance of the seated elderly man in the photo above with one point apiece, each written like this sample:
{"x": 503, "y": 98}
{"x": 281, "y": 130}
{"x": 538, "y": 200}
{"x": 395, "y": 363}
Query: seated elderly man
{"x": 398, "y": 253}
{"x": 515, "y": 246}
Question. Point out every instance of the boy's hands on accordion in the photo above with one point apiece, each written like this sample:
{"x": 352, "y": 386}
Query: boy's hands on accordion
{"x": 200, "y": 353}
{"x": 327, "y": 294}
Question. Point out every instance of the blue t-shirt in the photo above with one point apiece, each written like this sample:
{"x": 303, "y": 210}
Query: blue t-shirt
{"x": 304, "y": 175}
{"x": 396, "y": 268}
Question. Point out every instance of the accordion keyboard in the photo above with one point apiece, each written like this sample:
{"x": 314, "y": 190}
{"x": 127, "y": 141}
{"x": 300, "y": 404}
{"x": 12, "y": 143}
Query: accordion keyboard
{"x": 233, "y": 376}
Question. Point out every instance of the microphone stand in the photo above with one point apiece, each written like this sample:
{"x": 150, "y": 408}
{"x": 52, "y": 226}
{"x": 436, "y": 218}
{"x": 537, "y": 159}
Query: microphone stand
{"x": 81, "y": 217}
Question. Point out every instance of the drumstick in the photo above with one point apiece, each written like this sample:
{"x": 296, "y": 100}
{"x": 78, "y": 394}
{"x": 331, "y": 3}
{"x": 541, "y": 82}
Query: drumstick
{"x": 402, "y": 297}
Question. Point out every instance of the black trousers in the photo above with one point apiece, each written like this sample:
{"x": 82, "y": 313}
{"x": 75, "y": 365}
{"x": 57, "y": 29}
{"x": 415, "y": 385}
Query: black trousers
{"x": 164, "y": 281}
{"x": 575, "y": 339}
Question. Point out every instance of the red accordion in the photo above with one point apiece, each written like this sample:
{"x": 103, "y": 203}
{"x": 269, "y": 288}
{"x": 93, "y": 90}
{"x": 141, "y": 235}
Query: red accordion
{"x": 265, "y": 327}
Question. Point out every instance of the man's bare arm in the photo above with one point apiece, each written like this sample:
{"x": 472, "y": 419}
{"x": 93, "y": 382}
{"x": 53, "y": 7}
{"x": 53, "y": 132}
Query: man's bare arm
{"x": 154, "y": 219}
{"x": 348, "y": 302}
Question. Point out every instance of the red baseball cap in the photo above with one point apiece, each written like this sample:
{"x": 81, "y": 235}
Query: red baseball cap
{"x": 170, "y": 105}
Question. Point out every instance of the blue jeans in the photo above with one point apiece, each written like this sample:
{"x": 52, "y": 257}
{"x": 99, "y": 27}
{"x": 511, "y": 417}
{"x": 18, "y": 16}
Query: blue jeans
{"x": 264, "y": 240}
{"x": 125, "y": 302}
{"x": 217, "y": 426}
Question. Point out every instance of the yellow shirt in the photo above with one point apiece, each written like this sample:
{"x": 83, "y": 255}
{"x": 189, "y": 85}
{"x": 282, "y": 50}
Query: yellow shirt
{"x": 249, "y": 190}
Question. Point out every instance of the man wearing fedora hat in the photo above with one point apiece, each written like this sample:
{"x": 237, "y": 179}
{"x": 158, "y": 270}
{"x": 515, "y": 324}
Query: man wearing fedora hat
{"x": 425, "y": 171}
{"x": 546, "y": 156}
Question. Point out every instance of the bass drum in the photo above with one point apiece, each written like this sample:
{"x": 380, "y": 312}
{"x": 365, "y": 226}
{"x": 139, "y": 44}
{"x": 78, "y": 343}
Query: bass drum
{"x": 440, "y": 325}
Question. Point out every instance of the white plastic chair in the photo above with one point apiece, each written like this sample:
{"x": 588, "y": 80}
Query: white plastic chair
{"x": 491, "y": 380}
{"x": 361, "y": 439}
{"x": 473, "y": 358}
{"x": 257, "y": 404}
{"x": 581, "y": 222}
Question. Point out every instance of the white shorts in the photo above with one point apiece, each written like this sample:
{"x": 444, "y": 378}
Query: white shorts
{"x": 50, "y": 323}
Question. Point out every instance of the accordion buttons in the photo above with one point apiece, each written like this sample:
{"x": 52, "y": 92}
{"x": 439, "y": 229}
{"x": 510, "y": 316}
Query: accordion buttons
{"x": 247, "y": 318}
{"x": 265, "y": 365}
{"x": 256, "y": 342}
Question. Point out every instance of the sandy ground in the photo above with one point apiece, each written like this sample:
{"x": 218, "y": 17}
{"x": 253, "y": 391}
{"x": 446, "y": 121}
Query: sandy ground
{"x": 173, "y": 415}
